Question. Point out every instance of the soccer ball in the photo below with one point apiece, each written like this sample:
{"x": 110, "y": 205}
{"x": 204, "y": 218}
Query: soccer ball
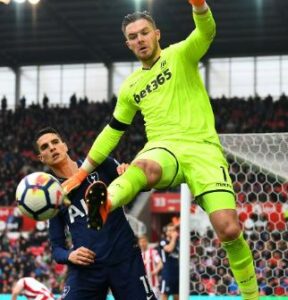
{"x": 39, "y": 196}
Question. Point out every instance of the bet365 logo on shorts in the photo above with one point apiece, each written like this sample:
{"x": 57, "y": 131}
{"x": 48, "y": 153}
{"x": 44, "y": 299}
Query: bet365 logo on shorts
{"x": 153, "y": 85}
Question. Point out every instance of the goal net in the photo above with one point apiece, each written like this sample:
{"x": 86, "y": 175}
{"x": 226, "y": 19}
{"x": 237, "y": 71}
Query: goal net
{"x": 259, "y": 170}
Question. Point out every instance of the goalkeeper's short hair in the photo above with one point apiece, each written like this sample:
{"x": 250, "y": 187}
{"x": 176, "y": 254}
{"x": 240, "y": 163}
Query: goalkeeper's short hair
{"x": 138, "y": 15}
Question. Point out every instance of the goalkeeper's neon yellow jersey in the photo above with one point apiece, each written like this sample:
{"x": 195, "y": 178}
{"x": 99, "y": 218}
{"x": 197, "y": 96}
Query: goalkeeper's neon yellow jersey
{"x": 171, "y": 95}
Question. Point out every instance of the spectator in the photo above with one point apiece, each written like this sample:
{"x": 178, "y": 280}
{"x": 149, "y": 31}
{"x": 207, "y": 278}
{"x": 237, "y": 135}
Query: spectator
{"x": 152, "y": 262}
{"x": 73, "y": 101}
{"x": 4, "y": 104}
{"x": 32, "y": 289}
{"x": 22, "y": 102}
{"x": 169, "y": 248}
{"x": 45, "y": 101}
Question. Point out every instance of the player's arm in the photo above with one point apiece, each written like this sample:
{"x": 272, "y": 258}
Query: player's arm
{"x": 199, "y": 41}
{"x": 158, "y": 263}
{"x": 122, "y": 168}
{"x": 109, "y": 138}
{"x": 158, "y": 268}
{"x": 57, "y": 237}
{"x": 82, "y": 256}
{"x": 17, "y": 289}
{"x": 172, "y": 243}
{"x": 14, "y": 296}
{"x": 106, "y": 141}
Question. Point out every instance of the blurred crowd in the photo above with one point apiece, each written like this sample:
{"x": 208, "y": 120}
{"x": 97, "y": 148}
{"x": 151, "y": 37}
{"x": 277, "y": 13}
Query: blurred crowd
{"x": 253, "y": 115}
{"x": 29, "y": 253}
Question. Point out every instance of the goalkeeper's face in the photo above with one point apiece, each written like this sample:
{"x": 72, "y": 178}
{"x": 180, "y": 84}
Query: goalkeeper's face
{"x": 52, "y": 150}
{"x": 143, "y": 40}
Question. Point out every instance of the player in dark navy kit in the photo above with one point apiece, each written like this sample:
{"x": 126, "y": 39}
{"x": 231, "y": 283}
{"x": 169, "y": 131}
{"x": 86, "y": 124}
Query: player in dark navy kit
{"x": 99, "y": 260}
{"x": 169, "y": 248}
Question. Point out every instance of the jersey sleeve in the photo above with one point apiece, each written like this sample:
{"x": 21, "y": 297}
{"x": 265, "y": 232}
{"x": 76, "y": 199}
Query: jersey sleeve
{"x": 198, "y": 42}
{"x": 57, "y": 237}
{"x": 125, "y": 110}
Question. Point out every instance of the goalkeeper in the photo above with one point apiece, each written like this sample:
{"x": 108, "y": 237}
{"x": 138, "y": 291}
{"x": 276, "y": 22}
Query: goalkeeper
{"x": 182, "y": 146}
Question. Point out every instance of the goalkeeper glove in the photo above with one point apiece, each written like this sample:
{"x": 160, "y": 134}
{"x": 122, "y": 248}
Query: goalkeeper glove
{"x": 196, "y": 3}
{"x": 74, "y": 181}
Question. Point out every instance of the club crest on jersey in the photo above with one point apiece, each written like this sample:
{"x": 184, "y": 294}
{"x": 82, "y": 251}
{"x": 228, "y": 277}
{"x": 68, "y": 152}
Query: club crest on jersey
{"x": 159, "y": 80}
{"x": 163, "y": 64}
{"x": 93, "y": 177}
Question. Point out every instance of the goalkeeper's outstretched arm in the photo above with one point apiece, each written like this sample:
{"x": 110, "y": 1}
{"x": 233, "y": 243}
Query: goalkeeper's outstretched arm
{"x": 106, "y": 141}
{"x": 200, "y": 39}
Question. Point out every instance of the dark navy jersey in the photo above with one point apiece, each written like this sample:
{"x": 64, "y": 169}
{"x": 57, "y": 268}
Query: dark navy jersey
{"x": 112, "y": 244}
{"x": 170, "y": 259}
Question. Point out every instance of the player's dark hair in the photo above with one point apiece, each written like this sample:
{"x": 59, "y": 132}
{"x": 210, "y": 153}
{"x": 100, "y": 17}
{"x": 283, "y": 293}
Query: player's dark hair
{"x": 41, "y": 132}
{"x": 171, "y": 224}
{"x": 137, "y": 15}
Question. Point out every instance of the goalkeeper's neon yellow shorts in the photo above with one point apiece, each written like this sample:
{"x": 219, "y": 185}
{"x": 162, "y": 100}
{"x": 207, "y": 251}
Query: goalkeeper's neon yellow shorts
{"x": 201, "y": 165}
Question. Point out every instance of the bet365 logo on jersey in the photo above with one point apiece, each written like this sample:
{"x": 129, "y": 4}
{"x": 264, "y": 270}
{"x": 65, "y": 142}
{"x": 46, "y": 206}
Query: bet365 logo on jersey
{"x": 153, "y": 85}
